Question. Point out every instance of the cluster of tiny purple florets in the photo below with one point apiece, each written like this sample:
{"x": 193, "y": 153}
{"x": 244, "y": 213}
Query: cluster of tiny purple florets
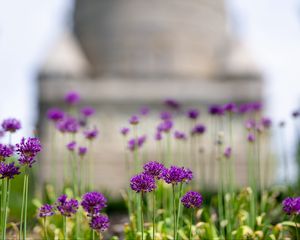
{"x": 175, "y": 175}
{"x": 67, "y": 207}
{"x": 8, "y": 170}
{"x": 27, "y": 150}
{"x": 142, "y": 182}
{"x": 46, "y": 210}
{"x": 291, "y": 205}
{"x": 93, "y": 203}
{"x": 192, "y": 200}
{"x": 11, "y": 125}
{"x": 154, "y": 169}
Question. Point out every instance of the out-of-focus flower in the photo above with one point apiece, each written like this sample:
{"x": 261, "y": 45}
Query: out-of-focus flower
{"x": 82, "y": 151}
{"x": 192, "y": 200}
{"x": 87, "y": 111}
{"x": 66, "y": 206}
{"x": 172, "y": 103}
{"x": 296, "y": 114}
{"x": 165, "y": 126}
{"x": 216, "y": 110}
{"x": 93, "y": 203}
{"x": 142, "y": 183}
{"x": 11, "y": 125}
{"x": 99, "y": 223}
{"x": 250, "y": 124}
{"x": 227, "y": 152}
{"x": 124, "y": 131}
{"x": 5, "y": 151}
{"x": 251, "y": 137}
{"x": 46, "y": 210}
{"x": 282, "y": 124}
{"x": 91, "y": 134}
{"x": 193, "y": 113}
{"x": 154, "y": 169}
{"x": 28, "y": 149}
{"x": 199, "y": 129}
{"x": 144, "y": 111}
{"x": 8, "y": 170}
{"x": 180, "y": 135}
{"x": 136, "y": 143}
{"x": 71, "y": 146}
{"x": 266, "y": 122}
{"x": 68, "y": 124}
{"x": 134, "y": 120}
{"x": 158, "y": 136}
{"x": 55, "y": 114}
{"x": 165, "y": 115}
{"x": 230, "y": 107}
{"x": 72, "y": 98}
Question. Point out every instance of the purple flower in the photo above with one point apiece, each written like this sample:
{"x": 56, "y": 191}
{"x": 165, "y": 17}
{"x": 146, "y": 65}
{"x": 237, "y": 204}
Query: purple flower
{"x": 46, "y": 210}
{"x": 266, "y": 122}
{"x": 91, "y": 134}
{"x": 230, "y": 107}
{"x": 179, "y": 135}
{"x": 134, "y": 120}
{"x": 227, "y": 152}
{"x": 172, "y": 103}
{"x": 8, "y": 170}
{"x": 158, "y": 136}
{"x": 144, "y": 111}
{"x": 174, "y": 175}
{"x": 71, "y": 146}
{"x": 192, "y": 200}
{"x": 68, "y": 124}
{"x": 93, "y": 203}
{"x": 165, "y": 116}
{"x": 141, "y": 140}
{"x": 165, "y": 126}
{"x": 87, "y": 111}
{"x": 99, "y": 223}
{"x": 256, "y": 106}
{"x": 28, "y": 149}
{"x": 2, "y": 133}
{"x": 11, "y": 125}
{"x": 142, "y": 183}
{"x": 82, "y": 151}
{"x": 153, "y": 169}
{"x": 72, "y": 98}
{"x": 244, "y": 108}
{"x": 199, "y": 129}
{"x": 192, "y": 113}
{"x": 5, "y": 151}
{"x": 291, "y": 205}
{"x": 296, "y": 114}
{"x": 251, "y": 137}
{"x": 216, "y": 110}
{"x": 136, "y": 143}
{"x": 66, "y": 207}
{"x": 55, "y": 114}
{"x": 124, "y": 131}
{"x": 250, "y": 124}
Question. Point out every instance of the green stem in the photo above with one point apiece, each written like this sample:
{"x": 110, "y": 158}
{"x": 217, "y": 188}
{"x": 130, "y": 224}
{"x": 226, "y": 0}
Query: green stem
{"x": 174, "y": 212}
{"x": 153, "y": 213}
{"x": 65, "y": 227}
{"x": 93, "y": 234}
{"x": 191, "y": 223}
{"x": 6, "y": 184}
{"x": 25, "y": 207}
{"x": 22, "y": 209}
{"x": 45, "y": 228}
{"x": 142, "y": 216}
{"x": 179, "y": 207}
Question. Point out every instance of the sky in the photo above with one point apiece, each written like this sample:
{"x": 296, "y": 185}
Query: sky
{"x": 269, "y": 28}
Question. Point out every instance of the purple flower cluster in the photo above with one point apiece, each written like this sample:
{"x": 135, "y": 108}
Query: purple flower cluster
{"x": 154, "y": 169}
{"x": 144, "y": 111}
{"x": 71, "y": 146}
{"x": 165, "y": 115}
{"x": 175, "y": 175}
{"x": 227, "y": 152}
{"x": 230, "y": 107}
{"x": 55, "y": 114}
{"x": 93, "y": 203}
{"x": 165, "y": 126}
{"x": 199, "y": 129}
{"x": 28, "y": 149}
{"x": 91, "y": 134}
{"x": 87, "y": 111}
{"x": 8, "y": 170}
{"x": 216, "y": 110}
{"x": 172, "y": 103}
{"x": 193, "y": 113}
{"x": 11, "y": 125}
{"x": 66, "y": 207}
{"x": 99, "y": 223}
{"x": 72, "y": 98}
{"x": 5, "y": 151}
{"x": 46, "y": 210}
{"x": 192, "y": 200}
{"x": 134, "y": 120}
{"x": 142, "y": 182}
{"x": 266, "y": 122}
{"x": 291, "y": 205}
{"x": 124, "y": 131}
{"x": 82, "y": 151}
{"x": 68, "y": 125}
{"x": 158, "y": 136}
{"x": 134, "y": 144}
{"x": 180, "y": 135}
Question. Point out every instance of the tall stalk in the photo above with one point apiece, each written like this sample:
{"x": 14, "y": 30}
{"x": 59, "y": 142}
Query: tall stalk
{"x": 65, "y": 227}
{"x": 174, "y": 212}
{"x": 5, "y": 197}
{"x": 142, "y": 215}
{"x": 23, "y": 221}
{"x": 153, "y": 213}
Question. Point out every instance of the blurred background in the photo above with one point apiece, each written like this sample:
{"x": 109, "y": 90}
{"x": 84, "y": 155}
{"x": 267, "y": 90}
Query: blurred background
{"x": 120, "y": 55}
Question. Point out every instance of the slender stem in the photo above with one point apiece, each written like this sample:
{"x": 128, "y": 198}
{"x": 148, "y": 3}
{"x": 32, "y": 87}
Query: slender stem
{"x": 22, "y": 209}
{"x": 65, "y": 227}
{"x": 191, "y": 223}
{"x": 45, "y": 228}
{"x": 179, "y": 207}
{"x": 93, "y": 234}
{"x": 153, "y": 213}
{"x": 174, "y": 212}
{"x": 142, "y": 216}
{"x": 5, "y": 206}
{"x": 25, "y": 207}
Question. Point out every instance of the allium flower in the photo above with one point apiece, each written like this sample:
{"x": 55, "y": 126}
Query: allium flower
{"x": 91, "y": 134}
{"x": 158, "y": 136}
{"x": 172, "y": 103}
{"x": 250, "y": 124}
{"x": 66, "y": 207}
{"x": 174, "y": 175}
{"x": 55, "y": 114}
{"x": 291, "y": 205}
{"x": 8, "y": 170}
{"x": 46, "y": 210}
{"x": 251, "y": 137}
{"x": 230, "y": 107}
{"x": 179, "y": 135}
{"x": 198, "y": 129}
{"x": 2, "y": 133}
{"x": 165, "y": 126}
{"x": 11, "y": 125}
{"x": 28, "y": 149}
{"x": 99, "y": 223}
{"x": 154, "y": 169}
{"x": 227, "y": 152}
{"x": 72, "y": 98}
{"x": 142, "y": 183}
{"x": 266, "y": 122}
{"x": 68, "y": 124}
{"x": 87, "y": 111}
{"x": 134, "y": 120}
{"x": 82, "y": 151}
{"x": 93, "y": 202}
{"x": 144, "y": 111}
{"x": 192, "y": 113}
{"x": 136, "y": 143}
{"x": 71, "y": 146}
{"x": 124, "y": 131}
{"x": 192, "y": 200}
{"x": 216, "y": 110}
{"x": 256, "y": 106}
{"x": 165, "y": 116}
{"x": 141, "y": 140}
{"x": 296, "y": 113}
{"x": 244, "y": 108}
{"x": 5, "y": 151}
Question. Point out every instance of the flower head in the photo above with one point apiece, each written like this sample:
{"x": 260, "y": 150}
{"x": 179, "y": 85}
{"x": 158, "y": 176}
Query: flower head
{"x": 99, "y": 223}
{"x": 72, "y": 98}
{"x": 179, "y": 135}
{"x": 216, "y": 110}
{"x": 82, "y": 151}
{"x": 296, "y": 114}
{"x": 134, "y": 120}
{"x": 11, "y": 125}
{"x": 91, "y": 134}
{"x": 172, "y": 103}
{"x": 227, "y": 152}
{"x": 8, "y": 170}
{"x": 199, "y": 129}
{"x": 55, "y": 114}
{"x": 144, "y": 111}
{"x": 5, "y": 151}
{"x": 230, "y": 107}
{"x": 174, "y": 175}
{"x": 142, "y": 183}
{"x": 192, "y": 200}
{"x": 193, "y": 113}
{"x": 87, "y": 111}
{"x": 66, "y": 207}
{"x": 154, "y": 169}
{"x": 165, "y": 126}
{"x": 28, "y": 149}
{"x": 68, "y": 124}
{"x": 46, "y": 210}
{"x": 93, "y": 202}
{"x": 291, "y": 205}
{"x": 71, "y": 146}
{"x": 136, "y": 143}
{"x": 266, "y": 122}
{"x": 251, "y": 137}
{"x": 124, "y": 131}
{"x": 165, "y": 115}
{"x": 250, "y": 124}
{"x": 158, "y": 136}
